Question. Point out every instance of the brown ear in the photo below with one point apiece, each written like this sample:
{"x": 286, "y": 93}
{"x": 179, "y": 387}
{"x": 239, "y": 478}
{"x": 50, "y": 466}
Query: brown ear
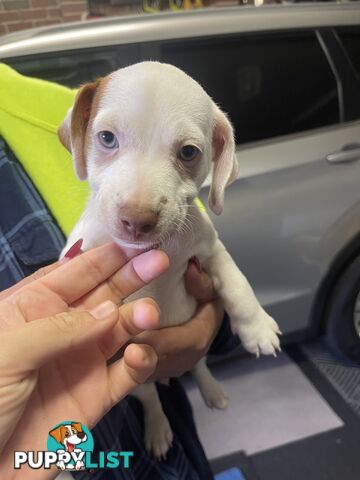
{"x": 225, "y": 166}
{"x": 72, "y": 132}
{"x": 64, "y": 131}
{"x": 58, "y": 433}
{"x": 77, "y": 426}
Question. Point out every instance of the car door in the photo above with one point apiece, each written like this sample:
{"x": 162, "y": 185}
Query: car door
{"x": 291, "y": 210}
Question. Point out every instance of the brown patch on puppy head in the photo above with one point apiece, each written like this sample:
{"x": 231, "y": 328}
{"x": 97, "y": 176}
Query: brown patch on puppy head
{"x": 73, "y": 132}
{"x": 84, "y": 109}
{"x": 77, "y": 427}
{"x": 58, "y": 433}
{"x": 95, "y": 106}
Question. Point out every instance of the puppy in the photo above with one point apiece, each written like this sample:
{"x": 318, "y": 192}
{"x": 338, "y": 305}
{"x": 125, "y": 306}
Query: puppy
{"x": 69, "y": 435}
{"x": 146, "y": 137}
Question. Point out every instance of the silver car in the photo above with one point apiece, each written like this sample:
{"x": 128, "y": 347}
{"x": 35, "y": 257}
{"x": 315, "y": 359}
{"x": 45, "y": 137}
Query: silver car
{"x": 289, "y": 77}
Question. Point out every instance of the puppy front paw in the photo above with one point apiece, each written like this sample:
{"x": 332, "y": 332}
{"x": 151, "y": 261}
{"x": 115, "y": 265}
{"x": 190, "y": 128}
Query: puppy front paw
{"x": 158, "y": 436}
{"x": 80, "y": 465}
{"x": 260, "y": 336}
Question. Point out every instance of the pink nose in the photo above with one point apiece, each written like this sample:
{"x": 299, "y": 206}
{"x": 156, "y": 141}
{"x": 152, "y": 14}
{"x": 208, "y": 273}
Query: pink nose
{"x": 138, "y": 223}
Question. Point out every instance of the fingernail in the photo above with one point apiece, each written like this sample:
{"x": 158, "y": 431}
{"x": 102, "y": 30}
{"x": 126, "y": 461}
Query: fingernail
{"x": 102, "y": 311}
{"x": 150, "y": 265}
{"x": 74, "y": 250}
{"x": 195, "y": 261}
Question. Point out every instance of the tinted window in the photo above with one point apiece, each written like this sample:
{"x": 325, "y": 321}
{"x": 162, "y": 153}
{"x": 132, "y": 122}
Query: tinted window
{"x": 72, "y": 69}
{"x": 351, "y": 40}
{"x": 269, "y": 85}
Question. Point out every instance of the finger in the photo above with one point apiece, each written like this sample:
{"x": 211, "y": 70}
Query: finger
{"x": 196, "y": 334}
{"x": 29, "y": 347}
{"x": 138, "y": 272}
{"x": 134, "y": 318}
{"x": 31, "y": 278}
{"x": 10, "y": 316}
{"x": 132, "y": 370}
{"x": 85, "y": 272}
{"x": 134, "y": 275}
{"x": 199, "y": 284}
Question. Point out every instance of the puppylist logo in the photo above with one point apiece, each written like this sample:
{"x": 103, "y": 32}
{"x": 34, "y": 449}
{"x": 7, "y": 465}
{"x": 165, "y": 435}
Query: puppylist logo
{"x": 70, "y": 447}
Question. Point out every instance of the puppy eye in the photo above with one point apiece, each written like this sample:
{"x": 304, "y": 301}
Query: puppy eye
{"x": 67, "y": 433}
{"x": 108, "y": 139}
{"x": 188, "y": 153}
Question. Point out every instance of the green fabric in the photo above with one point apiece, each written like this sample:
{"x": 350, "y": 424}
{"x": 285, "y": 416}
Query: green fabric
{"x": 30, "y": 112}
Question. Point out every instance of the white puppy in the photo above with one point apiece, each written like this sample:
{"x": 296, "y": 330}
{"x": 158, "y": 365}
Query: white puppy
{"x": 145, "y": 138}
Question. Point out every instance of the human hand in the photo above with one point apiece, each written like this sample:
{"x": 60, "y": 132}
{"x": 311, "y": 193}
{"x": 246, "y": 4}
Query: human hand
{"x": 60, "y": 361}
{"x": 180, "y": 348}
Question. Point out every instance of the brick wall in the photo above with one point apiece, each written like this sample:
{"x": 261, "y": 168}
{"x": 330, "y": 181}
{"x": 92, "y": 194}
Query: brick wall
{"x": 21, "y": 14}
{"x": 109, "y": 8}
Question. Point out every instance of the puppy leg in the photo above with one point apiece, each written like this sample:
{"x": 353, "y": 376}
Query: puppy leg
{"x": 210, "y": 389}
{"x": 257, "y": 330}
{"x": 158, "y": 435}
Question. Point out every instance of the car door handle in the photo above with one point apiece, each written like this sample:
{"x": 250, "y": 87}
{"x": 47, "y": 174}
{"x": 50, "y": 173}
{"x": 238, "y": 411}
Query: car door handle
{"x": 349, "y": 153}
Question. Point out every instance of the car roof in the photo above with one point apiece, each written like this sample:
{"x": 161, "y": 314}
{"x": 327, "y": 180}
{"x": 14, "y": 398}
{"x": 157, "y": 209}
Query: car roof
{"x": 176, "y": 25}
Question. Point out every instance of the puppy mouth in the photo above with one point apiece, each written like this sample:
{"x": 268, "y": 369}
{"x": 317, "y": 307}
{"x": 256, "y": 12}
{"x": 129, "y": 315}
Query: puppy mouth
{"x": 144, "y": 241}
{"x": 70, "y": 447}
{"x": 143, "y": 246}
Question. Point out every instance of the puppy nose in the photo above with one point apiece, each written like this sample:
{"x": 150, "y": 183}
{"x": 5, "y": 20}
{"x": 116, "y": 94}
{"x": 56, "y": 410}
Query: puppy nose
{"x": 139, "y": 222}
{"x": 81, "y": 435}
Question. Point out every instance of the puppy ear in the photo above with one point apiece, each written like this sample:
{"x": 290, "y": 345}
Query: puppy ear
{"x": 64, "y": 131}
{"x": 77, "y": 426}
{"x": 58, "y": 433}
{"x": 225, "y": 167}
{"x": 72, "y": 132}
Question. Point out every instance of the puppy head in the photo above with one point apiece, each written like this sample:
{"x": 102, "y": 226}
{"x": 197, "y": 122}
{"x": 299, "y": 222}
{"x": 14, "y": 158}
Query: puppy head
{"x": 146, "y": 137}
{"x": 72, "y": 433}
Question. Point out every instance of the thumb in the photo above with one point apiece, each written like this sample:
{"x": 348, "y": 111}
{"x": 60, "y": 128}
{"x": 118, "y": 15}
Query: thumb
{"x": 199, "y": 284}
{"x": 132, "y": 370}
{"x": 29, "y": 347}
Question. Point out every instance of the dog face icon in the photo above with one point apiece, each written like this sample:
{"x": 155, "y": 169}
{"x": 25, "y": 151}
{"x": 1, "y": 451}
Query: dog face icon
{"x": 69, "y": 435}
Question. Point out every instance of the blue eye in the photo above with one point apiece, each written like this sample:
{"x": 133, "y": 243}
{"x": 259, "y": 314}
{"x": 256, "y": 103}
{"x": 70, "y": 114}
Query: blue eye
{"x": 188, "y": 153}
{"x": 108, "y": 139}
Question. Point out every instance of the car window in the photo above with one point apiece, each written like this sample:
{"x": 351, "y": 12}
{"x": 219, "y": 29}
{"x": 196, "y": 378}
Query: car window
{"x": 350, "y": 39}
{"x": 270, "y": 85}
{"x": 74, "y": 68}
